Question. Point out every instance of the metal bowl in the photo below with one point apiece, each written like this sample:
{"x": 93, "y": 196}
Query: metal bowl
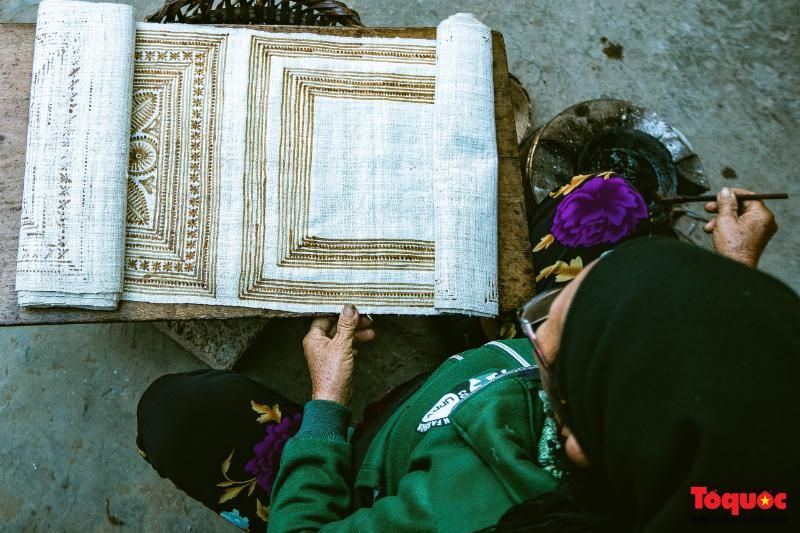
{"x": 554, "y": 153}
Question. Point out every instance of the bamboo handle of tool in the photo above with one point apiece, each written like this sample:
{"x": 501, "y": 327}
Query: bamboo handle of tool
{"x": 713, "y": 198}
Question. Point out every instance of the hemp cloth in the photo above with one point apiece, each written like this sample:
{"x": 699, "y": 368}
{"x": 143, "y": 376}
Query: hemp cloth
{"x": 71, "y": 243}
{"x": 299, "y": 172}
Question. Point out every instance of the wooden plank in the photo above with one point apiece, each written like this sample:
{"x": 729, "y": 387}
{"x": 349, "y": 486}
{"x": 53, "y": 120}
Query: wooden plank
{"x": 515, "y": 269}
{"x": 16, "y": 58}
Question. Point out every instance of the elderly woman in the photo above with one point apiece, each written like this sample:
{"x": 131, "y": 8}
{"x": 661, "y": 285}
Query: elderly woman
{"x": 672, "y": 374}
{"x": 651, "y": 360}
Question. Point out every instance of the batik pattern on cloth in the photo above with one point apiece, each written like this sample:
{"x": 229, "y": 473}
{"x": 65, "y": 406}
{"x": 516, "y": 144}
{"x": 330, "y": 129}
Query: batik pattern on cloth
{"x": 173, "y": 175}
{"x": 346, "y": 169}
{"x": 330, "y": 120}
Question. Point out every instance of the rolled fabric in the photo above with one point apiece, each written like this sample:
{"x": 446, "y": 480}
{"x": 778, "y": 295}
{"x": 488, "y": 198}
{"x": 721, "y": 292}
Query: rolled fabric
{"x": 465, "y": 181}
{"x": 72, "y": 238}
{"x": 72, "y": 233}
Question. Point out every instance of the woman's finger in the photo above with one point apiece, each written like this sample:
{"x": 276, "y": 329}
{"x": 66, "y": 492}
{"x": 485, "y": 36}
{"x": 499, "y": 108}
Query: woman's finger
{"x": 727, "y": 206}
{"x": 330, "y": 326}
{"x": 747, "y": 204}
{"x": 346, "y": 325}
{"x": 364, "y": 335}
{"x": 709, "y": 226}
{"x": 711, "y": 207}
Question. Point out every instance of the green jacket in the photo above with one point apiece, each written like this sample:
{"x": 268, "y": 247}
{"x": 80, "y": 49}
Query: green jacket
{"x": 454, "y": 457}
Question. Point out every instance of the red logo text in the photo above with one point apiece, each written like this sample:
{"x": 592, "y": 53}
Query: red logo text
{"x": 735, "y": 501}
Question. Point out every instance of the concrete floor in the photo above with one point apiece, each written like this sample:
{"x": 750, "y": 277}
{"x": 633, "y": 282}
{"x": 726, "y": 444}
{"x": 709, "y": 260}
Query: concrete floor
{"x": 725, "y": 72}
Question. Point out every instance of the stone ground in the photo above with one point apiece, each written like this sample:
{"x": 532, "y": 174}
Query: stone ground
{"x": 724, "y": 72}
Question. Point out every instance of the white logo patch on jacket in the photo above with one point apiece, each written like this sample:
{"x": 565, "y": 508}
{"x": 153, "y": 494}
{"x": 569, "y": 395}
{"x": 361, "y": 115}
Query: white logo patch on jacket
{"x": 442, "y": 408}
{"x": 439, "y": 414}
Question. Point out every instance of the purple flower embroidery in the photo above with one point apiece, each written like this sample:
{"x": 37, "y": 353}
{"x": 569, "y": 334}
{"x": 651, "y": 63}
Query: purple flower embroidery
{"x": 268, "y": 452}
{"x": 599, "y": 211}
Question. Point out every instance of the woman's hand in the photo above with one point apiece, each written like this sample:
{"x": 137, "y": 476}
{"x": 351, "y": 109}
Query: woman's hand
{"x": 741, "y": 233}
{"x": 328, "y": 347}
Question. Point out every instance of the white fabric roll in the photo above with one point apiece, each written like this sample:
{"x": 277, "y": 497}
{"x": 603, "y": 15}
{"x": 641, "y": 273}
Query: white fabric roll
{"x": 465, "y": 182}
{"x": 295, "y": 172}
{"x": 71, "y": 245}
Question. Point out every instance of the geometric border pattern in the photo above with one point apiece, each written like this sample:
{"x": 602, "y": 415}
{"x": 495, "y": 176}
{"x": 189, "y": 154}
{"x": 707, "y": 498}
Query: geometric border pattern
{"x": 174, "y": 188}
{"x": 296, "y": 248}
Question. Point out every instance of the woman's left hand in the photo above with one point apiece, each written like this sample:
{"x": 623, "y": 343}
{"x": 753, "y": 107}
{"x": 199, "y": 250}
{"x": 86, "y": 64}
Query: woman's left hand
{"x": 328, "y": 347}
{"x": 740, "y": 232}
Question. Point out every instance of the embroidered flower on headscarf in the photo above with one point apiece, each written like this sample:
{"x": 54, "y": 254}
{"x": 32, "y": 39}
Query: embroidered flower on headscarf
{"x": 242, "y": 522}
{"x": 268, "y": 452}
{"x": 601, "y": 210}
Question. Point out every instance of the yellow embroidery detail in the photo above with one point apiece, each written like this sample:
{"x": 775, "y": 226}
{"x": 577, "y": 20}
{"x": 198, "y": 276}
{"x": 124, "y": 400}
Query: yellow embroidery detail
{"x": 507, "y": 331}
{"x": 568, "y": 272}
{"x": 576, "y": 182}
{"x": 141, "y": 453}
{"x": 546, "y": 241}
{"x": 233, "y": 487}
{"x": 268, "y": 414}
{"x": 262, "y": 511}
{"x": 563, "y": 271}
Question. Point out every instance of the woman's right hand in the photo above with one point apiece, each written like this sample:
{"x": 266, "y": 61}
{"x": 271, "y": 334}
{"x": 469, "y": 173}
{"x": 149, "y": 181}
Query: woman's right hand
{"x": 740, "y": 231}
{"x": 330, "y": 354}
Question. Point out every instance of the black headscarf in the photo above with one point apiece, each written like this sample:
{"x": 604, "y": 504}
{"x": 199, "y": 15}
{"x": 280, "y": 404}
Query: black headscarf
{"x": 682, "y": 368}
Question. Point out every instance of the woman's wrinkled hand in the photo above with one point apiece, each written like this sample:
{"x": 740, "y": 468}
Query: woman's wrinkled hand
{"x": 329, "y": 351}
{"x": 740, "y": 231}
